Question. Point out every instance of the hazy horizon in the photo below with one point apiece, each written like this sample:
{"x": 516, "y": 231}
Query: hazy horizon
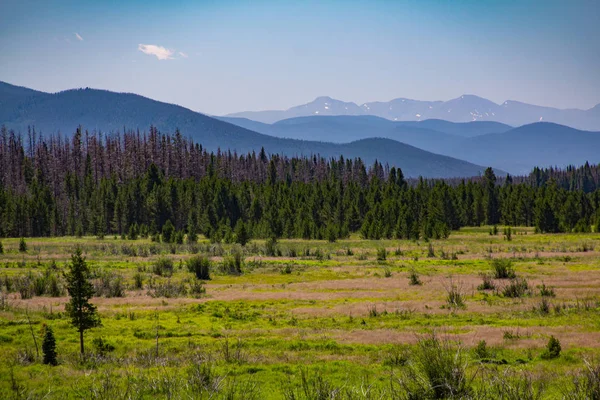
{"x": 227, "y": 57}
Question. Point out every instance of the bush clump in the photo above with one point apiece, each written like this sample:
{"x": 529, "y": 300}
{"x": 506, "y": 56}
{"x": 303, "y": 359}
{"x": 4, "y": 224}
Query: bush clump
{"x": 437, "y": 370}
{"x": 163, "y": 267}
{"x": 518, "y": 287}
{"x": 232, "y": 265}
{"x": 22, "y": 246}
{"x": 413, "y": 278}
{"x": 503, "y": 269}
{"x": 553, "y": 349}
{"x": 199, "y": 266}
{"x": 381, "y": 254}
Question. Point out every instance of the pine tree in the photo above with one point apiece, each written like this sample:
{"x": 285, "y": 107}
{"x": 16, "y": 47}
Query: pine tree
{"x": 133, "y": 231}
{"x": 490, "y": 197}
{"x": 22, "y": 245}
{"x": 49, "y": 347}
{"x": 168, "y": 232}
{"x": 241, "y": 233}
{"x": 83, "y": 314}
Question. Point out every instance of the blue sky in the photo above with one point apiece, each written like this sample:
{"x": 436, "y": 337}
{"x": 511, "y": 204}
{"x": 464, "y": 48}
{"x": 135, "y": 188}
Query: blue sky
{"x": 225, "y": 56}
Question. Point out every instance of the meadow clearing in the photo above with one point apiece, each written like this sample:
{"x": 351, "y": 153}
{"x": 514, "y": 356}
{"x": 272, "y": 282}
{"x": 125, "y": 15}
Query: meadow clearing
{"x": 298, "y": 319}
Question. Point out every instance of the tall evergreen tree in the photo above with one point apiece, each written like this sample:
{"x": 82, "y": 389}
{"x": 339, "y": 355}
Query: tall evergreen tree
{"x": 83, "y": 314}
{"x": 490, "y": 197}
{"x": 49, "y": 347}
{"x": 241, "y": 233}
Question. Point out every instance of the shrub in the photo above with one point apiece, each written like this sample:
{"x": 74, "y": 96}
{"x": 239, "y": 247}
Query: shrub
{"x": 547, "y": 291}
{"x": 553, "y": 349}
{"x": 163, "y": 267}
{"x": 232, "y": 265}
{"x": 518, "y": 287}
{"x": 430, "y": 251}
{"x": 292, "y": 253}
{"x": 543, "y": 307}
{"x": 436, "y": 371}
{"x": 197, "y": 289}
{"x": 101, "y": 346}
{"x": 202, "y": 377}
{"x": 455, "y": 297}
{"x": 508, "y": 233}
{"x": 271, "y": 249}
{"x": 503, "y": 268}
{"x": 36, "y": 284}
{"x": 168, "y": 289}
{"x": 138, "y": 280}
{"x": 413, "y": 278}
{"x": 481, "y": 351}
{"x": 311, "y": 386}
{"x": 373, "y": 311}
{"x": 398, "y": 356}
{"x": 381, "y": 254}
{"x": 1, "y": 248}
{"x": 49, "y": 347}
{"x": 109, "y": 284}
{"x": 511, "y": 385}
{"x": 387, "y": 273}
{"x": 586, "y": 384}
{"x": 487, "y": 284}
{"x": 199, "y": 266}
{"x": 22, "y": 245}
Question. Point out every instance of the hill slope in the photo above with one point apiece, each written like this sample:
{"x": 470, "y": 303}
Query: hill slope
{"x": 344, "y": 129}
{"x": 541, "y": 144}
{"x": 515, "y": 150}
{"x": 108, "y": 111}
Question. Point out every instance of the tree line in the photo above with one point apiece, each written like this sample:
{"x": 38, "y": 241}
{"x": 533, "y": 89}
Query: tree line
{"x": 169, "y": 187}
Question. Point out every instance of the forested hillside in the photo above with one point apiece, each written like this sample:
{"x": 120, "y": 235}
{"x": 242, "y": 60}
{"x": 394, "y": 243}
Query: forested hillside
{"x": 137, "y": 183}
{"x": 484, "y": 143}
{"x": 23, "y": 109}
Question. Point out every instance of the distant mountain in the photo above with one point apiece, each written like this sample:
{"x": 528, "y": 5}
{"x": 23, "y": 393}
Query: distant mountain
{"x": 464, "y": 129}
{"x": 541, "y": 144}
{"x": 344, "y": 129}
{"x": 465, "y": 108}
{"x": 516, "y": 150}
{"x": 106, "y": 111}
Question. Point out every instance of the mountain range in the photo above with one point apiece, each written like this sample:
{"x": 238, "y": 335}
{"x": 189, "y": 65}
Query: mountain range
{"x": 428, "y": 148}
{"x": 516, "y": 150}
{"x": 465, "y": 108}
{"x": 101, "y": 110}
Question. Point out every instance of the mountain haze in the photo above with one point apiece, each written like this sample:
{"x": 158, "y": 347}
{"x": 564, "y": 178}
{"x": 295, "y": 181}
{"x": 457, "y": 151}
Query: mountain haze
{"x": 465, "y": 108}
{"x": 100, "y": 110}
{"x": 516, "y": 150}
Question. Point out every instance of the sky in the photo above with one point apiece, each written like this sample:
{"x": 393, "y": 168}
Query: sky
{"x": 220, "y": 57}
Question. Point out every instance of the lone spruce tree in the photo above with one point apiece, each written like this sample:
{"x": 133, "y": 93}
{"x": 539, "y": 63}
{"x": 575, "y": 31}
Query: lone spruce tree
{"x": 49, "y": 347}
{"x": 83, "y": 314}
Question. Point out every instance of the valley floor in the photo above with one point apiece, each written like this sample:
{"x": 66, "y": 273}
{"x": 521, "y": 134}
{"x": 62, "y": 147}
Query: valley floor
{"x": 312, "y": 320}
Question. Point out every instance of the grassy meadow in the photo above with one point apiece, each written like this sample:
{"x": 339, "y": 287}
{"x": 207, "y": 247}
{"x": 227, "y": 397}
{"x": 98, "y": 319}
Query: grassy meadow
{"x": 465, "y": 317}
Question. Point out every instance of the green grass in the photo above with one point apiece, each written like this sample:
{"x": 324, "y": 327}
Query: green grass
{"x": 349, "y": 319}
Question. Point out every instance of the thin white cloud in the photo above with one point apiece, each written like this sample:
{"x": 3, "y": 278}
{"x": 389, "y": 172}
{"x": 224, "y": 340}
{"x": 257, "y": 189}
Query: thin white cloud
{"x": 158, "y": 51}
{"x": 78, "y": 36}
{"x": 182, "y": 54}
